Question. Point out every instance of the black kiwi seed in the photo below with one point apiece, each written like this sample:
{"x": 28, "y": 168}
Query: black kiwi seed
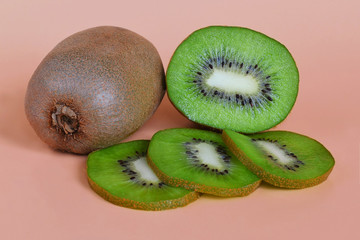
{"x": 133, "y": 175}
{"x": 251, "y": 101}
{"x": 192, "y": 155}
{"x": 293, "y": 164}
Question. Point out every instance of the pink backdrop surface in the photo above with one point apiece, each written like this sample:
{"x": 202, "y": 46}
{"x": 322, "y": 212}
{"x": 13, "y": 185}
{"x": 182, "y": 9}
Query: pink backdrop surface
{"x": 45, "y": 194}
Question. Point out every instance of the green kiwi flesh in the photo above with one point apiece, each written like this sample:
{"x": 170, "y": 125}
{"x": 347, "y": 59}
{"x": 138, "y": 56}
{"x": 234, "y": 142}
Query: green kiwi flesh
{"x": 232, "y": 78}
{"x": 121, "y": 175}
{"x": 282, "y": 158}
{"x": 199, "y": 160}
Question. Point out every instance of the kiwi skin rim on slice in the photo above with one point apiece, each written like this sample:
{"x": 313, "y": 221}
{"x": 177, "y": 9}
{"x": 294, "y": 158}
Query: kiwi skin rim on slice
{"x": 268, "y": 177}
{"x": 221, "y": 192}
{"x": 154, "y": 206}
{"x": 129, "y": 203}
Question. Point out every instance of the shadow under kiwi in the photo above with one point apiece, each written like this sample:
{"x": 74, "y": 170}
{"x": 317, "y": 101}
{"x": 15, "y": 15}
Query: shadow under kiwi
{"x": 82, "y": 172}
{"x": 263, "y": 185}
{"x": 267, "y": 186}
{"x": 164, "y": 117}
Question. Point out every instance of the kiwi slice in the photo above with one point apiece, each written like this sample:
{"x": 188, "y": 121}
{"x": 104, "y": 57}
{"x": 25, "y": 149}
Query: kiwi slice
{"x": 232, "y": 78}
{"x": 281, "y": 158}
{"x": 121, "y": 175}
{"x": 199, "y": 160}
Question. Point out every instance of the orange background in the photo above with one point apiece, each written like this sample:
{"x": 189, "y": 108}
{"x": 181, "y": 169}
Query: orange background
{"x": 45, "y": 194}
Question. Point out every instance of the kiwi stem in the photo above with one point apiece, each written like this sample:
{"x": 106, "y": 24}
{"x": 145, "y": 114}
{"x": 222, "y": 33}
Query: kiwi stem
{"x": 65, "y": 119}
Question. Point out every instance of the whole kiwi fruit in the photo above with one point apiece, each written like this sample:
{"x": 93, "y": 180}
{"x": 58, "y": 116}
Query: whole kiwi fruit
{"x": 94, "y": 89}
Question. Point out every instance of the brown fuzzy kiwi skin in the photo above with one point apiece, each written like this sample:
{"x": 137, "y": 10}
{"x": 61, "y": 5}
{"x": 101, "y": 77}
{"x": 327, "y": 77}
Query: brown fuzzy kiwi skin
{"x": 111, "y": 78}
{"x": 221, "y": 192}
{"x": 151, "y": 206}
{"x": 268, "y": 177}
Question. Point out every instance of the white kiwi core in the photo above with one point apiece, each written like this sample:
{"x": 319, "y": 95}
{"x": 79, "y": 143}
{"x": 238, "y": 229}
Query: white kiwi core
{"x": 275, "y": 151}
{"x": 233, "y": 82}
{"x": 208, "y": 155}
{"x": 143, "y": 169}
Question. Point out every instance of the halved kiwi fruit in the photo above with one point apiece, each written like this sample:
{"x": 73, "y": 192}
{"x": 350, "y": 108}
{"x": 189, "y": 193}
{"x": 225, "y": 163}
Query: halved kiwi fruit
{"x": 121, "y": 175}
{"x": 282, "y": 158}
{"x": 232, "y": 78}
{"x": 199, "y": 160}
